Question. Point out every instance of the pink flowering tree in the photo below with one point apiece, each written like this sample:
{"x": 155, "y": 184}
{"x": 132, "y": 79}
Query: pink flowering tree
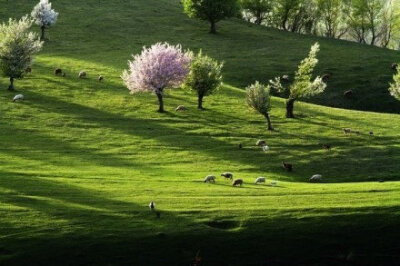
{"x": 159, "y": 67}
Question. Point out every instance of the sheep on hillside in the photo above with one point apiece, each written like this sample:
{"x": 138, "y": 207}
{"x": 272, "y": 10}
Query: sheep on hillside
{"x": 18, "y": 97}
{"x": 237, "y": 182}
{"x": 327, "y": 146}
{"x": 260, "y": 180}
{"x": 180, "y": 108}
{"x": 326, "y": 77}
{"x": 261, "y": 143}
{"x": 227, "y": 175}
{"x": 209, "y": 179}
{"x": 316, "y": 178}
{"x": 346, "y": 131}
{"x": 287, "y": 166}
{"x": 82, "y": 74}
{"x": 58, "y": 72}
{"x": 152, "y": 206}
{"x": 348, "y": 94}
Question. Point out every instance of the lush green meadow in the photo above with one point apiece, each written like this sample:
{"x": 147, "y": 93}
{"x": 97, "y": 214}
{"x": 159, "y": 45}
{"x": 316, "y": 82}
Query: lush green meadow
{"x": 81, "y": 160}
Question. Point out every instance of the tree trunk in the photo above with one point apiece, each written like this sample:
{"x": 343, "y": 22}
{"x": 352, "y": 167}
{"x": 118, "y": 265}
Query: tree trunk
{"x": 213, "y": 27}
{"x": 259, "y": 18}
{"x": 160, "y": 101}
{"x": 11, "y": 87}
{"x": 200, "y": 101}
{"x": 289, "y": 108}
{"x": 270, "y": 128}
{"x": 42, "y": 31}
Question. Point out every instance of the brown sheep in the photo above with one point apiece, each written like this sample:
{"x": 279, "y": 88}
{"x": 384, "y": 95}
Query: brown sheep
{"x": 327, "y": 147}
{"x": 287, "y": 166}
{"x": 58, "y": 72}
{"x": 326, "y": 77}
{"x": 348, "y": 94}
{"x": 346, "y": 131}
{"x": 261, "y": 143}
{"x": 237, "y": 182}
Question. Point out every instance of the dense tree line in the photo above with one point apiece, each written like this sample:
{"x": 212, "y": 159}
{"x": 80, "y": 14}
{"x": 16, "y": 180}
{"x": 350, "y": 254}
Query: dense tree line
{"x": 374, "y": 22}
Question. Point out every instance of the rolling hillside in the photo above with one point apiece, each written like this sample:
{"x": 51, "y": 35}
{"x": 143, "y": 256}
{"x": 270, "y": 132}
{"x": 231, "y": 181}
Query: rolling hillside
{"x": 108, "y": 32}
{"x": 81, "y": 160}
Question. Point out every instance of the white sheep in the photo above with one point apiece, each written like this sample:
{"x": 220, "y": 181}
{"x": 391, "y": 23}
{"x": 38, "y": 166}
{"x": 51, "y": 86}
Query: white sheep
{"x": 316, "y": 178}
{"x": 209, "y": 179}
{"x": 180, "y": 108}
{"x": 18, "y": 97}
{"x": 260, "y": 180}
{"x": 265, "y": 148}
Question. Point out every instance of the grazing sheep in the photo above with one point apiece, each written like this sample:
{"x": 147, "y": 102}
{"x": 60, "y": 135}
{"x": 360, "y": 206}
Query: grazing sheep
{"x": 326, "y": 77}
{"x": 240, "y": 146}
{"x": 152, "y": 206}
{"x": 260, "y": 180}
{"x": 348, "y": 94}
{"x": 265, "y": 148}
{"x": 237, "y": 182}
{"x": 316, "y": 178}
{"x": 82, "y": 74}
{"x": 180, "y": 108}
{"x": 371, "y": 133}
{"x": 58, "y": 72}
{"x": 261, "y": 143}
{"x": 346, "y": 131}
{"x": 209, "y": 179}
{"x": 285, "y": 77}
{"x": 18, "y": 97}
{"x": 287, "y": 166}
{"x": 101, "y": 78}
{"x": 28, "y": 70}
{"x": 394, "y": 66}
{"x": 327, "y": 147}
{"x": 227, "y": 175}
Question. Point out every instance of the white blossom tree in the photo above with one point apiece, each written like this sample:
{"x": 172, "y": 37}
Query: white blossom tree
{"x": 156, "y": 68}
{"x": 303, "y": 86}
{"x": 44, "y": 16}
{"x": 395, "y": 86}
{"x": 258, "y": 97}
{"x": 17, "y": 47}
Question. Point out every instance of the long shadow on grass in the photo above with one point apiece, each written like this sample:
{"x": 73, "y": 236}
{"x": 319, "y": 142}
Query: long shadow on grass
{"x": 363, "y": 236}
{"x": 352, "y": 158}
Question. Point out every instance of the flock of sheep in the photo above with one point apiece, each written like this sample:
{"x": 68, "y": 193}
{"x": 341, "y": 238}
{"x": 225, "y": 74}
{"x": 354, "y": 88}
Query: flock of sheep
{"x": 239, "y": 182}
{"x": 58, "y": 72}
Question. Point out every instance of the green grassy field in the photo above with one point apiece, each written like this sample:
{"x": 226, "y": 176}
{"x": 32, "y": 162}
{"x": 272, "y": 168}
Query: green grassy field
{"x": 81, "y": 160}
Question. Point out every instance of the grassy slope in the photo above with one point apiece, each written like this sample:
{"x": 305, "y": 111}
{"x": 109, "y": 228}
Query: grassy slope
{"x": 81, "y": 160}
